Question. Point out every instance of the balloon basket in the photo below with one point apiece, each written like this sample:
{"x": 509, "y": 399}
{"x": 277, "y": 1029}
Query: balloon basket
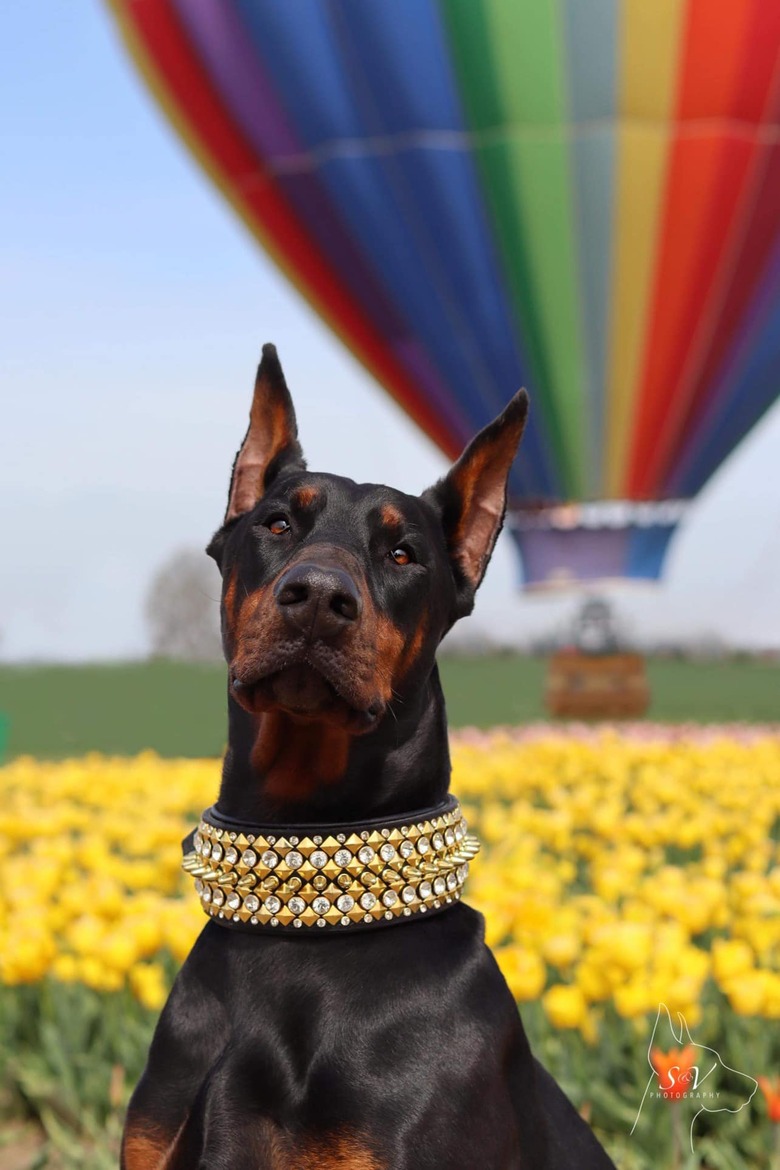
{"x": 596, "y": 686}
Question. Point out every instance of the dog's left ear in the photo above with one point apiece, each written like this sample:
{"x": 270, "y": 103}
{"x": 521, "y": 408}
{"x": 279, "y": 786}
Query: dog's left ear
{"x": 471, "y": 499}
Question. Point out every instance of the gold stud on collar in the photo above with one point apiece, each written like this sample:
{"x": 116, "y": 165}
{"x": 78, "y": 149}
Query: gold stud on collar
{"x": 360, "y": 876}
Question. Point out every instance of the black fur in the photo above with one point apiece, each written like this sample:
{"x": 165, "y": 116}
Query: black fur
{"x": 406, "y": 1039}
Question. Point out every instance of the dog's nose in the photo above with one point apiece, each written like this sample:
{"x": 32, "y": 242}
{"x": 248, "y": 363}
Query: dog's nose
{"x": 317, "y": 601}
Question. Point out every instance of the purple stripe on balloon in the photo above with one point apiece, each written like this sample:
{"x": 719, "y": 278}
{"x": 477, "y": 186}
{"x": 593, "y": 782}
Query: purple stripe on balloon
{"x": 559, "y": 558}
{"x": 214, "y": 27}
{"x": 216, "y": 32}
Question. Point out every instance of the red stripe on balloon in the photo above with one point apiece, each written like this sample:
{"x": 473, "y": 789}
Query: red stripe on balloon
{"x": 717, "y": 39}
{"x": 251, "y": 184}
{"x": 758, "y": 81}
{"x": 730, "y": 282}
{"x": 750, "y": 242}
{"x": 704, "y": 190}
{"x": 761, "y": 229}
{"x": 708, "y": 174}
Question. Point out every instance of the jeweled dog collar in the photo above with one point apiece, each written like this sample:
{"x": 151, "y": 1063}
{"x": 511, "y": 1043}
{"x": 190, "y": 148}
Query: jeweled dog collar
{"x": 289, "y": 879}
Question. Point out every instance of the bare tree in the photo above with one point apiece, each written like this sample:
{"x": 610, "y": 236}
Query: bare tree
{"x": 182, "y": 608}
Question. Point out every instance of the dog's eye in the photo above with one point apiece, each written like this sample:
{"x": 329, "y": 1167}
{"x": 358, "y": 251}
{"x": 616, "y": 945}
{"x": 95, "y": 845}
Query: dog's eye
{"x": 401, "y": 555}
{"x": 278, "y": 525}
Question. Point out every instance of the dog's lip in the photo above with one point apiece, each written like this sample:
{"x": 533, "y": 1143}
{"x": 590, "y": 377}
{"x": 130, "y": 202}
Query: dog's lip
{"x": 250, "y": 682}
{"x": 245, "y": 687}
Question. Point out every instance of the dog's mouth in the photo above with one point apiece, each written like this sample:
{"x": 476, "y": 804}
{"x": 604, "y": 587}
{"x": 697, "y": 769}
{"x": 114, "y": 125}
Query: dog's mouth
{"x": 302, "y": 690}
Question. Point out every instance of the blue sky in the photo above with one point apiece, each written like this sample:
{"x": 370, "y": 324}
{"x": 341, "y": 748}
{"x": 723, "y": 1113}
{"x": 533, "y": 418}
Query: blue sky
{"x": 132, "y": 309}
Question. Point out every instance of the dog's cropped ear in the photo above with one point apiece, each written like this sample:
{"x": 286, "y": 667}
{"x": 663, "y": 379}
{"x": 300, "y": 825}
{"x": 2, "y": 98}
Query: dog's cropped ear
{"x": 271, "y": 442}
{"x": 471, "y": 499}
{"x": 270, "y": 446}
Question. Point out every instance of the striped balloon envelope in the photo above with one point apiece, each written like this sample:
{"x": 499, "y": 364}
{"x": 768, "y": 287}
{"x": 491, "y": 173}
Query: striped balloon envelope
{"x": 582, "y": 196}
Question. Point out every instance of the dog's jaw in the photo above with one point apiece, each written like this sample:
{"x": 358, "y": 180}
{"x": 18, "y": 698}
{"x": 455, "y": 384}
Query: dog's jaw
{"x": 285, "y": 767}
{"x": 307, "y": 690}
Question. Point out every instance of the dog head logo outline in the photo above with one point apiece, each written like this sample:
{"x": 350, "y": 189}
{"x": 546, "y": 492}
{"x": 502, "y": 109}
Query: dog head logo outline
{"x": 695, "y": 1078}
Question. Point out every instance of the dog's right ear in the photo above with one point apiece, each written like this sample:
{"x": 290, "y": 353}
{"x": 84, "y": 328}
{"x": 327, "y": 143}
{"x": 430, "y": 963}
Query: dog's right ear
{"x": 270, "y": 444}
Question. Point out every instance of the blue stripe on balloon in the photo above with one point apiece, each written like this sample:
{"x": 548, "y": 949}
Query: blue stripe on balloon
{"x": 594, "y": 169}
{"x": 219, "y": 38}
{"x": 646, "y": 549}
{"x": 591, "y": 61}
{"x": 591, "y": 50}
{"x": 402, "y": 72}
{"x": 417, "y": 212}
{"x": 746, "y": 388}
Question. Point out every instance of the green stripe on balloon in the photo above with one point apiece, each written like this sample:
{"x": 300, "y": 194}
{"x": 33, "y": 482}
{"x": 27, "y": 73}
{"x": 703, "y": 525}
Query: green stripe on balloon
{"x": 528, "y": 41}
{"x": 472, "y": 55}
{"x": 509, "y": 64}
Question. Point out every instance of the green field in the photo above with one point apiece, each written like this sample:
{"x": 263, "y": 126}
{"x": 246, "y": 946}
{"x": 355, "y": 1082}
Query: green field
{"x": 179, "y": 709}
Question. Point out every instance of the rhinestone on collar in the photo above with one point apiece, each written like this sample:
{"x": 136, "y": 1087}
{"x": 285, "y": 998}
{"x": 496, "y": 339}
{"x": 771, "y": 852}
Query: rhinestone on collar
{"x": 317, "y": 878}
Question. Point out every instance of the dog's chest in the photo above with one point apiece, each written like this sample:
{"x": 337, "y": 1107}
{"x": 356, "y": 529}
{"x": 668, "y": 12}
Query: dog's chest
{"x": 354, "y": 1045}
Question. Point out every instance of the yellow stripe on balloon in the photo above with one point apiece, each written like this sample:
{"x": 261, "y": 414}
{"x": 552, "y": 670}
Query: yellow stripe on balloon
{"x": 649, "y": 45}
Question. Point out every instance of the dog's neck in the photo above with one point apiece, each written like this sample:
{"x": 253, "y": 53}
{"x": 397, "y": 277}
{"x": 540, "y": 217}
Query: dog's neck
{"x": 279, "y": 770}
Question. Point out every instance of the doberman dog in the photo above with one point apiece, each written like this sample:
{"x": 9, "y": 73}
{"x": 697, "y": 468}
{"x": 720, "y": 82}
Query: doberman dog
{"x": 386, "y": 1039}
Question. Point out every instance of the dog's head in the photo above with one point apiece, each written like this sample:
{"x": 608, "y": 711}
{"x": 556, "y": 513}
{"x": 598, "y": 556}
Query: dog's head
{"x": 336, "y": 594}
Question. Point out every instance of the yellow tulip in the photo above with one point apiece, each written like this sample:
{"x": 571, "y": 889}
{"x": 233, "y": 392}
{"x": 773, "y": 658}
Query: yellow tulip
{"x": 119, "y": 952}
{"x": 66, "y": 968}
{"x": 747, "y": 993}
{"x": 565, "y": 1005}
{"x": 523, "y": 970}
{"x": 633, "y": 999}
{"x": 730, "y": 957}
{"x": 148, "y": 983}
{"x": 561, "y": 950}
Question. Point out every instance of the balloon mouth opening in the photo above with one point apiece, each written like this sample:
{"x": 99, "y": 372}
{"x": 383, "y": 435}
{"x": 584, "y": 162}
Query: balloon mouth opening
{"x": 566, "y": 546}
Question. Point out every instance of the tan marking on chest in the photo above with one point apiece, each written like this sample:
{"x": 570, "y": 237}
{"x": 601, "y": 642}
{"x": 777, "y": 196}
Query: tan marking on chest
{"x": 334, "y": 1152}
{"x": 296, "y": 758}
{"x": 148, "y": 1149}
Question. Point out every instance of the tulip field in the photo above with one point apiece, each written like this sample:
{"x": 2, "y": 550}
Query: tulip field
{"x": 621, "y": 869}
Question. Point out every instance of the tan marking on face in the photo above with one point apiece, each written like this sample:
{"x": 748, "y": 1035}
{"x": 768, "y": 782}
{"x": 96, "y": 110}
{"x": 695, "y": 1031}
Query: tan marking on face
{"x": 305, "y": 496}
{"x": 230, "y": 596}
{"x": 298, "y": 758}
{"x": 391, "y": 517}
{"x": 254, "y": 619}
{"x": 296, "y": 753}
{"x": 411, "y": 651}
{"x": 389, "y": 648}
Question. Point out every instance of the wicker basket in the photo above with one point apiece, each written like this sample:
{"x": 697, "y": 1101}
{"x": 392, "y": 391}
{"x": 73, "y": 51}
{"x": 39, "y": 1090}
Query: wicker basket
{"x": 596, "y": 686}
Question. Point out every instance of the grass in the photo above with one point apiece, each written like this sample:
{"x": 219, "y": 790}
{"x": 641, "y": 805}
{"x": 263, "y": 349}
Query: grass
{"x": 179, "y": 709}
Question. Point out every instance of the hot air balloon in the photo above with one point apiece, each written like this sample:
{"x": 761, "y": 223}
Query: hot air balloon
{"x": 477, "y": 194}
